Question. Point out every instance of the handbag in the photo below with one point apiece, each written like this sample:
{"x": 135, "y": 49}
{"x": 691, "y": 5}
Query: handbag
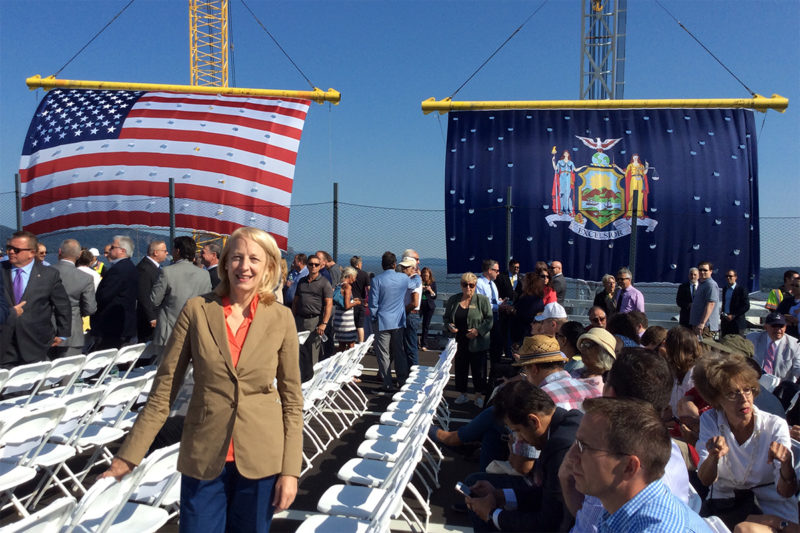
{"x": 338, "y": 299}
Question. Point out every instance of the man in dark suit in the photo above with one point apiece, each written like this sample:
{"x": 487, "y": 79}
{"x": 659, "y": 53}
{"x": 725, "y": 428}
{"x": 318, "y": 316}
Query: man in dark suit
{"x": 37, "y": 296}
{"x": 80, "y": 289}
{"x": 148, "y": 270}
{"x": 684, "y": 297}
{"x": 114, "y": 323}
{"x": 210, "y": 257}
{"x": 557, "y": 281}
{"x": 735, "y": 304}
{"x": 507, "y": 282}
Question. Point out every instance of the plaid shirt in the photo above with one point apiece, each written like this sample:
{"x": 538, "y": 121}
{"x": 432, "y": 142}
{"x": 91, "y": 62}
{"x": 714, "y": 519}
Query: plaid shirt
{"x": 566, "y": 391}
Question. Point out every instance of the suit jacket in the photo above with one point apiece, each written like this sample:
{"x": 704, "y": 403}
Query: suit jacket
{"x": 479, "y": 316}
{"x": 115, "y": 317}
{"x": 609, "y": 305}
{"x": 504, "y": 287}
{"x": 147, "y": 274}
{"x": 80, "y": 290}
{"x": 178, "y": 282}
{"x": 213, "y": 273}
{"x": 4, "y": 309}
{"x": 240, "y": 402}
{"x": 542, "y": 508}
{"x": 684, "y": 300}
{"x": 787, "y": 358}
{"x": 740, "y": 304}
{"x": 559, "y": 284}
{"x": 29, "y": 335}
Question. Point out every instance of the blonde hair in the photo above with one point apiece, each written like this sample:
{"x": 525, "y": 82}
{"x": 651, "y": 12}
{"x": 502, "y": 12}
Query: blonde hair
{"x": 469, "y": 277}
{"x": 348, "y": 272}
{"x": 272, "y": 270}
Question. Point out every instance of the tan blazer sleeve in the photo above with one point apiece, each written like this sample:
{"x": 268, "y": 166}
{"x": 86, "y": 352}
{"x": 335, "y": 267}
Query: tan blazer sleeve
{"x": 291, "y": 394}
{"x": 166, "y": 386}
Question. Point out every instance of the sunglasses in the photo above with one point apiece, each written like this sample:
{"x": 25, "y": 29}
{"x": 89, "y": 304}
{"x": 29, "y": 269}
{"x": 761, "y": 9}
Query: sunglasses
{"x": 465, "y": 284}
{"x": 16, "y": 250}
{"x": 314, "y": 265}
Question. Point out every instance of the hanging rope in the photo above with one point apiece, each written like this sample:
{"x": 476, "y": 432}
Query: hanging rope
{"x": 232, "y": 62}
{"x": 752, "y": 93}
{"x": 498, "y": 48}
{"x": 278, "y": 44}
{"x": 93, "y": 38}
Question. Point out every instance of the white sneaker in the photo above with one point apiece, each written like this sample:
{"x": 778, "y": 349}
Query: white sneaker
{"x": 461, "y": 399}
{"x": 479, "y": 402}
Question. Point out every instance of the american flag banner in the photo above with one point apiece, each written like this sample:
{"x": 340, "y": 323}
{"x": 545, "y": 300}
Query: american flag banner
{"x": 104, "y": 158}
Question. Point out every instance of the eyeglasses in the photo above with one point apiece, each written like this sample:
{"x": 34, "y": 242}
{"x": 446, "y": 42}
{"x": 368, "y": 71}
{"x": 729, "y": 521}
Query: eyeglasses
{"x": 16, "y": 250}
{"x": 583, "y": 447}
{"x": 113, "y": 246}
{"x": 622, "y": 279}
{"x": 313, "y": 265}
{"x": 744, "y": 393}
{"x": 494, "y": 270}
{"x": 465, "y": 284}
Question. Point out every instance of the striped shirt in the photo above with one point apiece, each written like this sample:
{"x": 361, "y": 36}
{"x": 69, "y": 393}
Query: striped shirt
{"x": 655, "y": 510}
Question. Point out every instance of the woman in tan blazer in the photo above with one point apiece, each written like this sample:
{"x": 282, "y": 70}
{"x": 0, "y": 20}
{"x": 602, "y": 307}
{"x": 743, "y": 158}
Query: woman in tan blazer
{"x": 240, "y": 452}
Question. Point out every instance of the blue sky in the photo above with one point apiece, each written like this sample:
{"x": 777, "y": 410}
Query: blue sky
{"x": 386, "y": 57}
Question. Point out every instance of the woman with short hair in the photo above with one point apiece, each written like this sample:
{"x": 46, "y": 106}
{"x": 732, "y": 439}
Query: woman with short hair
{"x": 745, "y": 453}
{"x": 344, "y": 324}
{"x": 468, "y": 316}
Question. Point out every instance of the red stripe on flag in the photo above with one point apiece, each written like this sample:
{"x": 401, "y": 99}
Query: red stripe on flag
{"x": 263, "y": 125}
{"x": 99, "y": 188}
{"x": 255, "y": 106}
{"x": 218, "y": 139}
{"x": 232, "y": 199}
{"x": 167, "y": 162}
{"x": 140, "y": 218}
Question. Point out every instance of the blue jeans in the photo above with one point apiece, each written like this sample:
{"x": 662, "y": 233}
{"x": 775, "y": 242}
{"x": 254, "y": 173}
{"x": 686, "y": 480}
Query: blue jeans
{"x": 489, "y": 432}
{"x": 229, "y": 502}
{"x": 410, "y": 341}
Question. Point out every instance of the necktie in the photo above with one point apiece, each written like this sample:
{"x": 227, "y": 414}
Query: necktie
{"x": 619, "y": 300}
{"x": 18, "y": 289}
{"x": 769, "y": 360}
{"x": 692, "y": 286}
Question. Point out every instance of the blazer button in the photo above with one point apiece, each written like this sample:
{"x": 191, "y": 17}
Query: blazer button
{"x": 233, "y": 404}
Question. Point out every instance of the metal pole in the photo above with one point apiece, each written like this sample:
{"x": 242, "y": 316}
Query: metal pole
{"x": 335, "y": 221}
{"x": 509, "y": 210}
{"x": 18, "y": 200}
{"x": 634, "y": 217}
{"x": 171, "y": 213}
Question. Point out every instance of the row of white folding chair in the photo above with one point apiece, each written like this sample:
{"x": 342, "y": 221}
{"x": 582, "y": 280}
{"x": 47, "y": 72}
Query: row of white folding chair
{"x": 94, "y": 432}
{"x": 381, "y": 459}
{"x": 109, "y": 505}
{"x": 371, "y": 507}
{"x": 332, "y": 400}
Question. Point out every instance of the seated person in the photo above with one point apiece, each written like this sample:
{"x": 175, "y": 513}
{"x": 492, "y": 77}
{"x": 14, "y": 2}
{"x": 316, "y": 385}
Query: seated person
{"x": 745, "y": 453}
{"x": 619, "y": 455}
{"x": 642, "y": 375}
{"x": 777, "y": 353}
{"x": 508, "y": 503}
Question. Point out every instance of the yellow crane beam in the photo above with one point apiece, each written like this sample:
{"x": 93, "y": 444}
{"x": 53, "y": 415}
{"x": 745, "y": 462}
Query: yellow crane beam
{"x": 759, "y": 103}
{"x": 317, "y": 95}
{"x": 208, "y": 42}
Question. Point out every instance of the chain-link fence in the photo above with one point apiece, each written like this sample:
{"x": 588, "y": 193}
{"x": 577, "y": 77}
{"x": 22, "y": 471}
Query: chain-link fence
{"x": 368, "y": 231}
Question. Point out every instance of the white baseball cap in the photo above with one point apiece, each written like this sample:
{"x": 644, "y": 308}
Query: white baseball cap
{"x": 552, "y": 310}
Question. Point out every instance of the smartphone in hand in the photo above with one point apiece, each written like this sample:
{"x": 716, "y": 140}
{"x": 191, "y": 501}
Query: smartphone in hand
{"x": 463, "y": 489}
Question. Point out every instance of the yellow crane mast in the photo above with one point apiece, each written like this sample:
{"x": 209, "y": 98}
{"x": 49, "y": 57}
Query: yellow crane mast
{"x": 208, "y": 42}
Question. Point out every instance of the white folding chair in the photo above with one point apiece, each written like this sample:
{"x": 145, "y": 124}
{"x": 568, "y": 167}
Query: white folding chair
{"x": 98, "y": 365}
{"x": 769, "y": 382}
{"x": 160, "y": 474}
{"x": 128, "y": 355}
{"x": 47, "y": 520}
{"x": 24, "y": 378}
{"x": 62, "y": 372}
{"x": 21, "y": 440}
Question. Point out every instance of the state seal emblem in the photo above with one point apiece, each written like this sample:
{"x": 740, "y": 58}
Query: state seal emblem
{"x": 601, "y": 206}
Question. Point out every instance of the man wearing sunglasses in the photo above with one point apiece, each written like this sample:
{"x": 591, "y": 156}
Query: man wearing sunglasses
{"x": 312, "y": 306}
{"x": 777, "y": 353}
{"x": 704, "y": 315}
{"x": 37, "y": 296}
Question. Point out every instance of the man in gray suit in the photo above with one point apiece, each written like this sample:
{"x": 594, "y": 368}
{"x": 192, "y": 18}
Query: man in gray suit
{"x": 777, "y": 353}
{"x": 80, "y": 289}
{"x": 178, "y": 282}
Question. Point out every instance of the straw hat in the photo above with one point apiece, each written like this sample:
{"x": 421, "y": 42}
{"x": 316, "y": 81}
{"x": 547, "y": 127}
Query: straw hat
{"x": 539, "y": 349}
{"x": 602, "y": 338}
